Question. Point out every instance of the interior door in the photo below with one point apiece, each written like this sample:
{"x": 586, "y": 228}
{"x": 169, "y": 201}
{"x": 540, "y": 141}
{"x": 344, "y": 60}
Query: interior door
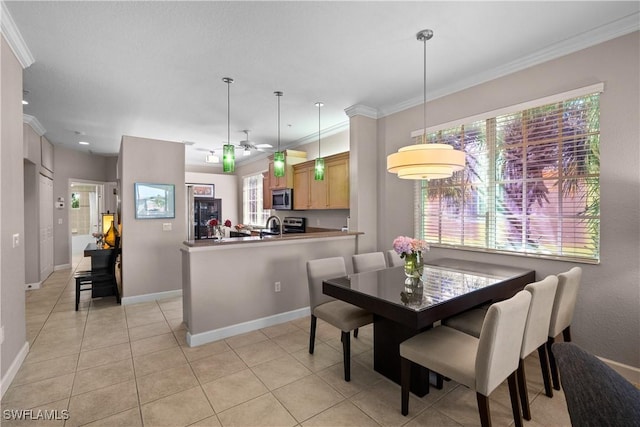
{"x": 46, "y": 227}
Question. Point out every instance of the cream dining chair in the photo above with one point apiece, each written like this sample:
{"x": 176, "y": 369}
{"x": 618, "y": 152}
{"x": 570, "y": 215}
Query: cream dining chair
{"x": 340, "y": 314}
{"x": 562, "y": 314}
{"x": 534, "y": 338}
{"x": 393, "y": 259}
{"x": 481, "y": 364}
{"x": 368, "y": 262}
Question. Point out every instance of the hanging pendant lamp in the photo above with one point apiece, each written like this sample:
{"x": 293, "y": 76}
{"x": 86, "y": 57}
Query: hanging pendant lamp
{"x": 425, "y": 161}
{"x": 319, "y": 166}
{"x": 228, "y": 150}
{"x": 278, "y": 156}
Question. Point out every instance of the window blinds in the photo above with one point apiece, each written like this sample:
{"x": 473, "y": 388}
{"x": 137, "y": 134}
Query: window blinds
{"x": 531, "y": 184}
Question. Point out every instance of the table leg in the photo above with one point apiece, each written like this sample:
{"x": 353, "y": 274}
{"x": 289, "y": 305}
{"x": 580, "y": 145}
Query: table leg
{"x": 387, "y": 336}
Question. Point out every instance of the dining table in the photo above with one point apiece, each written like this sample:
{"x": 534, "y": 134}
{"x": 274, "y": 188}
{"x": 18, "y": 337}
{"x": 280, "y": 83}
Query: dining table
{"x": 403, "y": 307}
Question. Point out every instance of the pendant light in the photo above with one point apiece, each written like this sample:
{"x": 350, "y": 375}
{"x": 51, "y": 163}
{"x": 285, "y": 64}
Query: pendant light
{"x": 278, "y": 156}
{"x": 212, "y": 158}
{"x": 228, "y": 150}
{"x": 426, "y": 161}
{"x": 319, "y": 167}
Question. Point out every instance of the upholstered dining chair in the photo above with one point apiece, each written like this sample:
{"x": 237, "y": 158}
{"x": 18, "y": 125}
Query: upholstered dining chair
{"x": 393, "y": 259}
{"x": 340, "y": 314}
{"x": 481, "y": 364}
{"x": 562, "y": 314}
{"x": 534, "y": 338}
{"x": 368, "y": 262}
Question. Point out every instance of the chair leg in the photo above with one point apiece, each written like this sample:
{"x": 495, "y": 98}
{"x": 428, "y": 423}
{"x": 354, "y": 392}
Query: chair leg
{"x": 405, "y": 384}
{"x": 346, "y": 354}
{"x": 483, "y": 409}
{"x": 566, "y": 334}
{"x": 312, "y": 334}
{"x": 439, "y": 381}
{"x": 77, "y": 294}
{"x": 522, "y": 388}
{"x": 515, "y": 405}
{"x": 544, "y": 366}
{"x": 552, "y": 365}
{"x": 355, "y": 333}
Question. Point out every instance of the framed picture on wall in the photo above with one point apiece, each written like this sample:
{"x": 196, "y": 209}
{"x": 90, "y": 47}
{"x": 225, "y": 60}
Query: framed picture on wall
{"x": 154, "y": 200}
{"x": 203, "y": 190}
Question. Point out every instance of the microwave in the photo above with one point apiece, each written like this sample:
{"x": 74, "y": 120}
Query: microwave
{"x": 282, "y": 199}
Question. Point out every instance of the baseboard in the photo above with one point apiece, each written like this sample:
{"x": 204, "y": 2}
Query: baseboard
{"x": 241, "y": 328}
{"x": 13, "y": 369}
{"x": 631, "y": 373}
{"x": 32, "y": 286}
{"x": 61, "y": 267}
{"x": 151, "y": 297}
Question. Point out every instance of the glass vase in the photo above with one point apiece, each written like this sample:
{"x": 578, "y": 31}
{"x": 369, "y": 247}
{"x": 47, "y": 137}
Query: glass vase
{"x": 413, "y": 265}
{"x": 111, "y": 236}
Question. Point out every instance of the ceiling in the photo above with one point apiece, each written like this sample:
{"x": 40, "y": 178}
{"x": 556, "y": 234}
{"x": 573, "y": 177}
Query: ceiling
{"x": 155, "y": 69}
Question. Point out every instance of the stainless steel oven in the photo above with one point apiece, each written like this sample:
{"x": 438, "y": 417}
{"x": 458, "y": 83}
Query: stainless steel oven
{"x": 282, "y": 199}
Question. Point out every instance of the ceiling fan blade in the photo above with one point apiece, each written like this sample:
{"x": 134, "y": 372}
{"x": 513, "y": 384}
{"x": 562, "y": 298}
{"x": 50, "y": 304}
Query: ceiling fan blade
{"x": 263, "y": 146}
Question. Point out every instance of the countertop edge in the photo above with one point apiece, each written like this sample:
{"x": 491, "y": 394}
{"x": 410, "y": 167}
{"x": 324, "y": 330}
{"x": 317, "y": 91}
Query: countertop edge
{"x": 234, "y": 242}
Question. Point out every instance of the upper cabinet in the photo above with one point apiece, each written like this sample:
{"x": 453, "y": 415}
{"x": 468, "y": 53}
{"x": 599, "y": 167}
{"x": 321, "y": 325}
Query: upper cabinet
{"x": 330, "y": 193}
{"x": 271, "y": 182}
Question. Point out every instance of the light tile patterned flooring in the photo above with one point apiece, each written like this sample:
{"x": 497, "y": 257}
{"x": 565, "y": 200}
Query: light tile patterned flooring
{"x": 111, "y": 365}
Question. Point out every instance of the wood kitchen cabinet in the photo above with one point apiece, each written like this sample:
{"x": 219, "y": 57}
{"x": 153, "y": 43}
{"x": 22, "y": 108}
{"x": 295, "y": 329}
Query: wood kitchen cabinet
{"x": 330, "y": 193}
{"x": 271, "y": 182}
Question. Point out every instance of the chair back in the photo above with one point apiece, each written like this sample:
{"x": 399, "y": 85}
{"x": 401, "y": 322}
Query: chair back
{"x": 500, "y": 341}
{"x": 319, "y": 270}
{"x": 393, "y": 259}
{"x": 565, "y": 301}
{"x": 535, "y": 330}
{"x": 368, "y": 262}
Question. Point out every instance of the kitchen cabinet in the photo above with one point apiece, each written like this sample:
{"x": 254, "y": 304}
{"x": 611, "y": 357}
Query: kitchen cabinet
{"x": 271, "y": 182}
{"x": 330, "y": 193}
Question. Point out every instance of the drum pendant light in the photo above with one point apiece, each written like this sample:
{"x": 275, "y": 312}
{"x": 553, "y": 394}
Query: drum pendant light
{"x": 228, "y": 150}
{"x": 425, "y": 161}
{"x": 319, "y": 167}
{"x": 278, "y": 156}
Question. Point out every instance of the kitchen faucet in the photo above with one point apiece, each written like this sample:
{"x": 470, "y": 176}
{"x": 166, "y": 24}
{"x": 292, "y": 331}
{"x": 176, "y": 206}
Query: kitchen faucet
{"x": 278, "y": 221}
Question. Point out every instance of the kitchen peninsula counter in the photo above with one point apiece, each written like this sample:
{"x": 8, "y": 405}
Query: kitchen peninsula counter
{"x": 241, "y": 284}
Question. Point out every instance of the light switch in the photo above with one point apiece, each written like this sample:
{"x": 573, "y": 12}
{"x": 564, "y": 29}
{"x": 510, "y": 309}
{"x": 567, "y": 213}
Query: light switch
{"x": 16, "y": 240}
{"x": 166, "y": 226}
{"x": 59, "y": 221}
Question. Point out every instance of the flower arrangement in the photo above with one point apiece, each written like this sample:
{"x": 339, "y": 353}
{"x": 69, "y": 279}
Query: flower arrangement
{"x": 227, "y": 223}
{"x": 213, "y": 222}
{"x": 404, "y": 246}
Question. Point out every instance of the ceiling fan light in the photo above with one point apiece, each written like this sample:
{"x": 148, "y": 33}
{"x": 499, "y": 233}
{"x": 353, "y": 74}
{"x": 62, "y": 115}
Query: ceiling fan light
{"x": 278, "y": 164}
{"x": 247, "y": 151}
{"x": 228, "y": 158}
{"x": 212, "y": 158}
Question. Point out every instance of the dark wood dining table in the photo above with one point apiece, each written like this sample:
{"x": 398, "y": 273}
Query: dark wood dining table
{"x": 447, "y": 287}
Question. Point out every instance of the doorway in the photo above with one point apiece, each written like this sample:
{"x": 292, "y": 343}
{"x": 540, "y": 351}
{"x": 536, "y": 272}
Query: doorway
{"x": 85, "y": 206}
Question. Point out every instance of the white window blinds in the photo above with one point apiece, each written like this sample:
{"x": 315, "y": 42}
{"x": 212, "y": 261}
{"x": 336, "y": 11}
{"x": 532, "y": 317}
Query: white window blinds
{"x": 252, "y": 203}
{"x": 531, "y": 184}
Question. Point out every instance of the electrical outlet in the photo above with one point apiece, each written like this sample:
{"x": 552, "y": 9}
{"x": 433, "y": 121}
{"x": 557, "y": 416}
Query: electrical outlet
{"x": 277, "y": 287}
{"x": 1, "y": 335}
{"x": 16, "y": 240}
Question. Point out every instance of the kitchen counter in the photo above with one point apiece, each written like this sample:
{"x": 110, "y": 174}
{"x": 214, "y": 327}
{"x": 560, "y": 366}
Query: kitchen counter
{"x": 243, "y": 284}
{"x": 268, "y": 238}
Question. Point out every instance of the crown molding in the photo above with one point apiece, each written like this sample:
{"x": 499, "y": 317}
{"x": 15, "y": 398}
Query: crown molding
{"x": 14, "y": 38}
{"x": 34, "y": 123}
{"x": 362, "y": 110}
{"x": 332, "y": 130}
{"x": 585, "y": 40}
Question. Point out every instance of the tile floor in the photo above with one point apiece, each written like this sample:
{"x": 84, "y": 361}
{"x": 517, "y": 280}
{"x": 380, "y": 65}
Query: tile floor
{"x": 111, "y": 365}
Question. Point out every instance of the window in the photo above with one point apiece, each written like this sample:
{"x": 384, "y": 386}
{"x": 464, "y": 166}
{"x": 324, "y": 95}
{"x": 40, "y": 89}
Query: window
{"x": 75, "y": 200}
{"x": 252, "y": 211}
{"x": 531, "y": 185}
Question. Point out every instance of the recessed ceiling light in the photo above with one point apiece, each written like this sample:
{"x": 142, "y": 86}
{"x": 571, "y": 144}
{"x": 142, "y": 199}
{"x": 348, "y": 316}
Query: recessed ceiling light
{"x": 83, "y": 143}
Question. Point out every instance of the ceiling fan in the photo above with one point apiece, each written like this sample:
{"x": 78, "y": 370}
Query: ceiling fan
{"x": 248, "y": 145}
{"x": 245, "y": 145}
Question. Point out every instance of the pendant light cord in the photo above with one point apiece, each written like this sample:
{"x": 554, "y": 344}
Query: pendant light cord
{"x": 229, "y": 111}
{"x": 319, "y": 105}
{"x": 278, "y": 95}
{"x": 424, "y": 106}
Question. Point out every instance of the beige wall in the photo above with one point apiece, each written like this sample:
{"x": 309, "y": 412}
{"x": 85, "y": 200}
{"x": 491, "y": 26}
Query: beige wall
{"x": 73, "y": 165}
{"x": 606, "y": 320}
{"x": 12, "y": 260}
{"x": 151, "y": 260}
